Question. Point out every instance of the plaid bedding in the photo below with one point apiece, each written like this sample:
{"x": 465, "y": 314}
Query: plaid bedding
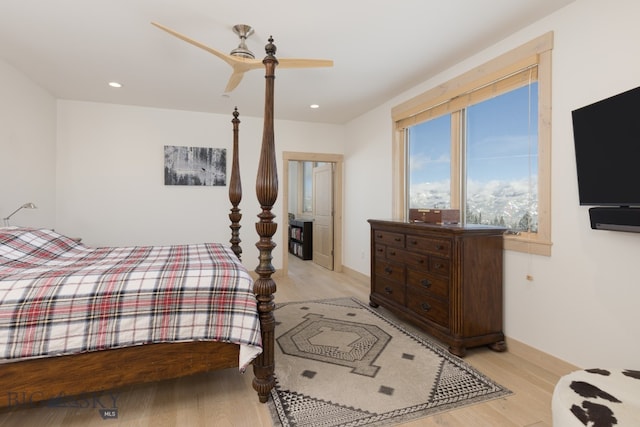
{"x": 59, "y": 297}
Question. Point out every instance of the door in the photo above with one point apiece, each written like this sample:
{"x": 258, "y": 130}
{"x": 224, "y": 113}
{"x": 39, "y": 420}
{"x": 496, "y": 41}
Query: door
{"x": 323, "y": 215}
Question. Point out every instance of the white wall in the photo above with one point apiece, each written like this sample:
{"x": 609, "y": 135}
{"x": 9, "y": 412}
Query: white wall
{"x": 27, "y": 149}
{"x": 582, "y": 304}
{"x": 110, "y": 174}
{"x": 367, "y": 182}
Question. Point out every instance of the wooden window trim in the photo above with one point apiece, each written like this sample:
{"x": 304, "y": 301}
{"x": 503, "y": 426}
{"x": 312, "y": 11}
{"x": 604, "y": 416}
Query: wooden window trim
{"x": 535, "y": 51}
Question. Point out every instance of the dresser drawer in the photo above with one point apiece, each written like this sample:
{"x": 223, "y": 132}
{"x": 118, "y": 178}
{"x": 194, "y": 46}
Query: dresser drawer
{"x": 434, "y": 285}
{"x": 428, "y": 307}
{"x": 380, "y": 250}
{"x": 440, "y": 266}
{"x": 388, "y": 289}
{"x": 395, "y": 254}
{"x": 389, "y": 238}
{"x": 390, "y": 271}
{"x": 435, "y": 246}
{"x": 416, "y": 259}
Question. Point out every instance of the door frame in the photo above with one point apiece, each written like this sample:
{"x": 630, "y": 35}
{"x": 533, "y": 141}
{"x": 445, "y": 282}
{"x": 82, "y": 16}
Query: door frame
{"x": 338, "y": 160}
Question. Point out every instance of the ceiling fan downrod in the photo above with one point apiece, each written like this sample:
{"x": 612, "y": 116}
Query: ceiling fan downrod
{"x": 243, "y": 31}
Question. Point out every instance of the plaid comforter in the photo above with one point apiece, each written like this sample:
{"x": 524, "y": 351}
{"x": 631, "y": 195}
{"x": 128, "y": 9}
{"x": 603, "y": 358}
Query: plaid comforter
{"x": 60, "y": 297}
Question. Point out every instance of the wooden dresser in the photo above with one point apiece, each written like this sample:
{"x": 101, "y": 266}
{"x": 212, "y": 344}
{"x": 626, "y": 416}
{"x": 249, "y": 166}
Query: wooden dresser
{"x": 446, "y": 279}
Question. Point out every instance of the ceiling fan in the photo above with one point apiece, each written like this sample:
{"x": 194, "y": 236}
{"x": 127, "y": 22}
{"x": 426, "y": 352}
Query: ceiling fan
{"x": 242, "y": 59}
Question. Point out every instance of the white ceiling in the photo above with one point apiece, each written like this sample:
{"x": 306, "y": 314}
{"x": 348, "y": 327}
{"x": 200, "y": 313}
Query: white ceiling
{"x": 379, "y": 47}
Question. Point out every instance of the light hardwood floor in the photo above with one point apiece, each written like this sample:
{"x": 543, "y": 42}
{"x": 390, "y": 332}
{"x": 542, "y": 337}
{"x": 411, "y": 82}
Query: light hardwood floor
{"x": 226, "y": 398}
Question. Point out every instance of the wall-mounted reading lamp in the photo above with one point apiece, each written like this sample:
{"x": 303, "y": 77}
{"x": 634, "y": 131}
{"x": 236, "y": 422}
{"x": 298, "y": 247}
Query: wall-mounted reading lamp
{"x": 25, "y": 206}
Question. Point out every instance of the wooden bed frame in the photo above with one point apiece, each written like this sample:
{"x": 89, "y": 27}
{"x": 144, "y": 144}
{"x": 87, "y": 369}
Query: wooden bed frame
{"x": 27, "y": 382}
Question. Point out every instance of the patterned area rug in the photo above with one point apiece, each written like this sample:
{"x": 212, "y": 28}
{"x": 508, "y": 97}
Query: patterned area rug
{"x": 340, "y": 363}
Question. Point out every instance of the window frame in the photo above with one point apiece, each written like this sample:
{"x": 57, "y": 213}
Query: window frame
{"x": 416, "y": 110}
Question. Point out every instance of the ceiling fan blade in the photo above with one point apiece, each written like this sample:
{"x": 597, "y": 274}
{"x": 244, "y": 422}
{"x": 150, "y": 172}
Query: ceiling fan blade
{"x": 303, "y": 63}
{"x": 231, "y": 60}
{"x": 245, "y": 64}
{"x": 234, "y": 81}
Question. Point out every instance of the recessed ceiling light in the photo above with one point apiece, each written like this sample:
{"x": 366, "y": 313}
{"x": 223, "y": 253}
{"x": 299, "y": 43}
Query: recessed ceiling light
{"x": 115, "y": 84}
{"x": 314, "y": 106}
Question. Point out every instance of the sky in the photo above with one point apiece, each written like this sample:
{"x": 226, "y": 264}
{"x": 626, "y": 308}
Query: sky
{"x": 502, "y": 132}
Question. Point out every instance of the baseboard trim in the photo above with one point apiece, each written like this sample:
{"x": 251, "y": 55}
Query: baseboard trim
{"x": 364, "y": 278}
{"x": 548, "y": 361}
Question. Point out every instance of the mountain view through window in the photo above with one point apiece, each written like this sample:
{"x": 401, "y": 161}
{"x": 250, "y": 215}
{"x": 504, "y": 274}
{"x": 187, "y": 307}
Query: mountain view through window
{"x": 499, "y": 161}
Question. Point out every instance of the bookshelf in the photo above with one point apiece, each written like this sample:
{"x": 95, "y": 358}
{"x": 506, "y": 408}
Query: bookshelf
{"x": 301, "y": 239}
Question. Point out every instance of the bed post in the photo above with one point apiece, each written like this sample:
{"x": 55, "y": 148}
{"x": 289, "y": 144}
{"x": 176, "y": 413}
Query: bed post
{"x": 267, "y": 192}
{"x": 235, "y": 190}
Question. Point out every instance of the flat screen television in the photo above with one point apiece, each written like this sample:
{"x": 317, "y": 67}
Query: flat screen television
{"x": 607, "y": 146}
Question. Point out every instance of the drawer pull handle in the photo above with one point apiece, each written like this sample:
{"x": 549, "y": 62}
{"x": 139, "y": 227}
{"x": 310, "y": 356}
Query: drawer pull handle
{"x": 426, "y": 283}
{"x": 425, "y": 306}
{"x": 388, "y": 270}
{"x": 380, "y": 250}
{"x": 392, "y": 253}
{"x": 397, "y": 239}
{"x": 388, "y": 290}
{"x": 438, "y": 266}
{"x": 440, "y": 247}
{"x": 414, "y": 242}
{"x": 379, "y": 236}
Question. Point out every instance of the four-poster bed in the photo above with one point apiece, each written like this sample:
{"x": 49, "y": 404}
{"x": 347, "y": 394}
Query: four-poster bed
{"x": 44, "y": 378}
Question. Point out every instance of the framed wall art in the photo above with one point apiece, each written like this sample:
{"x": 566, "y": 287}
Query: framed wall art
{"x": 195, "y": 166}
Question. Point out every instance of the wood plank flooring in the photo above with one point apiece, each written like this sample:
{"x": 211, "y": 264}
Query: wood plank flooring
{"x": 226, "y": 398}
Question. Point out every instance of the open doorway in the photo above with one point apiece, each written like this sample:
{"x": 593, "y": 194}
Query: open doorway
{"x": 336, "y": 161}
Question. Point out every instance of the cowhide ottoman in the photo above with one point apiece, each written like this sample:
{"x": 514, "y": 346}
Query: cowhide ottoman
{"x": 597, "y": 398}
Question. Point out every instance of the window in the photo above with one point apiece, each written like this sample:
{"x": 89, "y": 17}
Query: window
{"x": 429, "y": 169}
{"x": 501, "y": 158}
{"x": 481, "y": 143}
{"x": 499, "y": 146}
{"x": 301, "y": 195}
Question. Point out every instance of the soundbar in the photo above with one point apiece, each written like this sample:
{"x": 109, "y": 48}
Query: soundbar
{"x": 615, "y": 219}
